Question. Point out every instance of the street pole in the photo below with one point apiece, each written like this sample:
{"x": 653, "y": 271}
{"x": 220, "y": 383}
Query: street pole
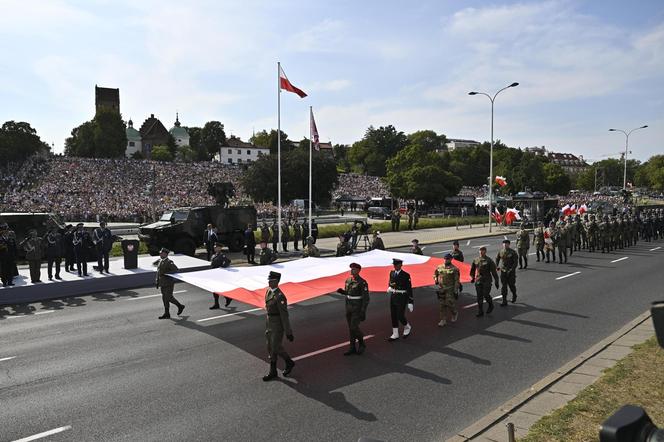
{"x": 493, "y": 99}
{"x": 627, "y": 134}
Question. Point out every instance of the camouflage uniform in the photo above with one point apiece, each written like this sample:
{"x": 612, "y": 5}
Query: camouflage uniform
{"x": 507, "y": 273}
{"x": 538, "y": 239}
{"x": 357, "y": 300}
{"x": 522, "y": 246}
{"x": 277, "y": 324}
{"x": 482, "y": 271}
{"x": 447, "y": 277}
{"x": 266, "y": 256}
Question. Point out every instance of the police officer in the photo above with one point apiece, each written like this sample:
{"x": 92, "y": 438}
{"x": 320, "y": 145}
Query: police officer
{"x": 523, "y": 246}
{"x": 53, "y": 242}
{"x": 102, "y": 238}
{"x": 401, "y": 295}
{"x": 356, "y": 292}
{"x": 80, "y": 240}
{"x": 456, "y": 251}
{"x": 267, "y": 255}
{"x": 310, "y": 249}
{"x": 482, "y": 271}
{"x": 415, "y": 247}
{"x": 219, "y": 260}
{"x": 33, "y": 254}
{"x": 166, "y": 283}
{"x": 507, "y": 271}
{"x": 277, "y": 324}
{"x": 447, "y": 278}
{"x": 250, "y": 244}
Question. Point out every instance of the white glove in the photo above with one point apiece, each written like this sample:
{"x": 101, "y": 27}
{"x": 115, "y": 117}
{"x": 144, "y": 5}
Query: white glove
{"x": 390, "y": 290}
{"x": 410, "y": 308}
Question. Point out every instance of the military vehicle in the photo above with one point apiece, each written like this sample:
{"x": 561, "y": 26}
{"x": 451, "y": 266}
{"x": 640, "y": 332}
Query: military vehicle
{"x": 182, "y": 230}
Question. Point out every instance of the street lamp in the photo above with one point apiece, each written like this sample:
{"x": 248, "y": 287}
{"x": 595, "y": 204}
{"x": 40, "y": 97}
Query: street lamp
{"x": 491, "y": 153}
{"x": 626, "y": 145}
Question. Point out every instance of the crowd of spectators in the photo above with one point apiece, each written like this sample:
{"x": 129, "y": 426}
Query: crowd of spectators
{"x": 477, "y": 192}
{"x": 361, "y": 187}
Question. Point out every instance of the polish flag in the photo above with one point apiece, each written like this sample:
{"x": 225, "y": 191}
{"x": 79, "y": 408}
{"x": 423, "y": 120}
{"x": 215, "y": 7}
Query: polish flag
{"x": 583, "y": 209}
{"x": 287, "y": 85}
{"x": 501, "y": 181}
{"x": 565, "y": 210}
{"x": 512, "y": 215}
{"x": 572, "y": 210}
{"x": 497, "y": 216}
{"x": 314, "y": 132}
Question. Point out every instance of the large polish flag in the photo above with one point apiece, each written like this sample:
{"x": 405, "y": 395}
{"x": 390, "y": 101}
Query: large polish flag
{"x": 287, "y": 85}
{"x": 309, "y": 278}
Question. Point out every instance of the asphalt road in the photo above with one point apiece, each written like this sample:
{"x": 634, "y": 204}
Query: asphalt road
{"x": 103, "y": 367}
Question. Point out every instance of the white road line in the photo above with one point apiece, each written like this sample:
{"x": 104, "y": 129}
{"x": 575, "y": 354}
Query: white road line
{"x": 483, "y": 245}
{"x": 468, "y": 243}
{"x": 567, "y": 276}
{"x": 179, "y": 291}
{"x": 7, "y": 359}
{"x": 656, "y": 248}
{"x": 505, "y": 236}
{"x": 326, "y": 349}
{"x": 474, "y": 304}
{"x": 44, "y": 434}
{"x": 440, "y": 253}
{"x": 25, "y": 316}
{"x": 229, "y": 314}
{"x": 143, "y": 297}
{"x": 531, "y": 254}
{"x": 620, "y": 259}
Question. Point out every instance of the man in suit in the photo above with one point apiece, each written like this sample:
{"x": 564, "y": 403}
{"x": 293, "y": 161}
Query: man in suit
{"x": 53, "y": 242}
{"x": 401, "y": 296}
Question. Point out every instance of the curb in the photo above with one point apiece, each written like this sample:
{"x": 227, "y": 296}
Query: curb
{"x": 484, "y": 424}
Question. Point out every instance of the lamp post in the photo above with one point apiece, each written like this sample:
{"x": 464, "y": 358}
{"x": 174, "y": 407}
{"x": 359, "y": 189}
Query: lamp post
{"x": 626, "y": 146}
{"x": 491, "y": 153}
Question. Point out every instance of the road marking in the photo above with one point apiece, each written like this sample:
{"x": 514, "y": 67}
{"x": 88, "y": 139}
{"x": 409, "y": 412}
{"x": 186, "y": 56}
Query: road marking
{"x": 621, "y": 259}
{"x": 531, "y": 254}
{"x": 505, "y": 236}
{"x": 179, "y": 291}
{"x": 7, "y": 359}
{"x": 479, "y": 247}
{"x": 326, "y": 349}
{"x": 440, "y": 253}
{"x": 26, "y": 315}
{"x": 567, "y": 276}
{"x": 143, "y": 297}
{"x": 474, "y": 304}
{"x": 656, "y": 248}
{"x": 468, "y": 243}
{"x": 229, "y": 314}
{"x": 44, "y": 434}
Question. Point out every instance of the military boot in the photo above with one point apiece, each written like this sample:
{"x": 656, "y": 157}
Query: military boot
{"x": 490, "y": 309}
{"x": 361, "y": 346}
{"x": 351, "y": 350}
{"x": 273, "y": 372}
{"x": 289, "y": 367}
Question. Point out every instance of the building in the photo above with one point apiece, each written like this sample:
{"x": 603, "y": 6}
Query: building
{"x": 456, "y": 143}
{"x": 134, "y": 143}
{"x": 570, "y": 163}
{"x": 327, "y": 148}
{"x": 107, "y": 98}
{"x": 153, "y": 133}
{"x": 180, "y": 134}
{"x": 237, "y": 151}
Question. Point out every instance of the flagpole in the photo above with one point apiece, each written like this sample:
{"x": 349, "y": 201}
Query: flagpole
{"x": 279, "y": 227}
{"x": 311, "y": 113}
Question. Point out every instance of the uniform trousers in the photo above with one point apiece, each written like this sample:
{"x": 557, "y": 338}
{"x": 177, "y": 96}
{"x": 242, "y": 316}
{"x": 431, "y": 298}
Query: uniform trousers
{"x": 274, "y": 336}
{"x": 353, "y": 318}
{"x": 81, "y": 263}
{"x": 102, "y": 260}
{"x": 35, "y": 269}
{"x": 483, "y": 291}
{"x": 167, "y": 297}
{"x": 507, "y": 279}
{"x": 447, "y": 302}
{"x": 54, "y": 260}
{"x": 398, "y": 303}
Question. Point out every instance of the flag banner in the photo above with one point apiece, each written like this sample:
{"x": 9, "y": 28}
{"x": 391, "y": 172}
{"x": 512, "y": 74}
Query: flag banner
{"x": 497, "y": 216}
{"x": 309, "y": 278}
{"x": 501, "y": 181}
{"x": 314, "y": 132}
{"x": 512, "y": 215}
{"x": 583, "y": 209}
{"x": 287, "y": 85}
{"x": 565, "y": 210}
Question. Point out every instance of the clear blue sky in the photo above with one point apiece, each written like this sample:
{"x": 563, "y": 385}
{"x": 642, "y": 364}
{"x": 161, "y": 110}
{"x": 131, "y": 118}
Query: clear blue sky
{"x": 584, "y": 66}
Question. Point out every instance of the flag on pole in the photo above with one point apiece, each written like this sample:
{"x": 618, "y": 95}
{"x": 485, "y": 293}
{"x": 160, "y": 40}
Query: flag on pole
{"x": 565, "y": 210}
{"x": 512, "y": 215}
{"x": 501, "y": 181}
{"x": 583, "y": 209}
{"x": 287, "y": 85}
{"x": 497, "y": 216}
{"x": 314, "y": 131}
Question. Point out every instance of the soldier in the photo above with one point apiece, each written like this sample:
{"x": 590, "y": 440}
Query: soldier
{"x": 80, "y": 240}
{"x": 581, "y": 234}
{"x": 447, "y": 277}
{"x": 605, "y": 234}
{"x": 266, "y": 256}
{"x": 393, "y": 220}
{"x": 265, "y": 232}
{"x": 310, "y": 249}
{"x": 68, "y": 248}
{"x": 250, "y": 244}
{"x": 6, "y": 257}
{"x": 33, "y": 247}
{"x": 563, "y": 236}
{"x": 507, "y": 271}
{"x": 410, "y": 219}
{"x": 219, "y": 260}
{"x": 276, "y": 325}
{"x": 398, "y": 216}
{"x": 551, "y": 237}
{"x": 401, "y": 295}
{"x": 416, "y": 219}
{"x": 53, "y": 242}
{"x": 357, "y": 300}
{"x": 456, "y": 252}
{"x": 415, "y": 247}
{"x": 538, "y": 239}
{"x": 314, "y": 231}
{"x": 522, "y": 246}
{"x": 285, "y": 235}
{"x": 482, "y": 271}
{"x": 166, "y": 283}
{"x": 297, "y": 235}
{"x": 571, "y": 235}
{"x": 210, "y": 240}
{"x": 592, "y": 234}
{"x": 343, "y": 247}
{"x": 275, "y": 235}
{"x": 102, "y": 238}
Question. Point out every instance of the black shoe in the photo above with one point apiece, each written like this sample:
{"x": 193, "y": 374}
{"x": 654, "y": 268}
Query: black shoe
{"x": 289, "y": 367}
{"x": 165, "y": 316}
{"x": 490, "y": 309}
{"x": 180, "y": 308}
{"x": 271, "y": 375}
{"x": 503, "y": 304}
{"x": 361, "y": 347}
{"x": 215, "y": 307}
{"x": 85, "y": 274}
{"x": 57, "y": 277}
{"x": 520, "y": 267}
{"x": 50, "y": 278}
{"x": 350, "y": 351}
{"x": 479, "y": 315}
{"x": 228, "y": 302}
{"x": 513, "y": 299}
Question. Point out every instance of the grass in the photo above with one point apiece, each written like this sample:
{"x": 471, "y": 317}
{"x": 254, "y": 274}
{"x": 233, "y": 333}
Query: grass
{"x": 638, "y": 379}
{"x": 117, "y": 249}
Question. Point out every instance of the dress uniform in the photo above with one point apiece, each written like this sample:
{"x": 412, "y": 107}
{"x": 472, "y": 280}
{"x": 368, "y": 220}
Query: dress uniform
{"x": 356, "y": 292}
{"x": 507, "y": 271}
{"x": 68, "y": 248}
{"x": 523, "y": 245}
{"x": 103, "y": 241}
{"x": 250, "y": 245}
{"x": 166, "y": 283}
{"x": 80, "y": 241}
{"x": 277, "y": 324}
{"x": 401, "y": 295}
{"x": 415, "y": 248}
{"x": 33, "y": 247}
{"x": 6, "y": 257}
{"x": 482, "y": 271}
{"x": 219, "y": 260}
{"x": 53, "y": 243}
{"x": 447, "y": 278}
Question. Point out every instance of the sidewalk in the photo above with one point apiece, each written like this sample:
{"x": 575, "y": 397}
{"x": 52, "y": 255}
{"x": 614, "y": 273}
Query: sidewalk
{"x": 560, "y": 387}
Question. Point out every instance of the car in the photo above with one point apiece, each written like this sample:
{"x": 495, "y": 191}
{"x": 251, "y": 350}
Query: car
{"x": 379, "y": 212}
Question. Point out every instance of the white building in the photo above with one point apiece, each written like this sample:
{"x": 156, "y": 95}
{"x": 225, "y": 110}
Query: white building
{"x": 180, "y": 134}
{"x": 455, "y": 143}
{"x": 134, "y": 143}
{"x": 237, "y": 151}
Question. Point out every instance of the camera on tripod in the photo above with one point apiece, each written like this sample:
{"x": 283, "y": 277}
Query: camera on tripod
{"x": 631, "y": 423}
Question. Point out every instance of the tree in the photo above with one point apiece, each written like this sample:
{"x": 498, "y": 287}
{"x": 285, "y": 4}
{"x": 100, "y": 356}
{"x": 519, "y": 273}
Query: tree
{"x": 104, "y": 136}
{"x": 82, "y": 141}
{"x": 269, "y": 140}
{"x": 260, "y": 179}
{"x": 340, "y": 152}
{"x": 556, "y": 181}
{"x": 471, "y": 165}
{"x": 415, "y": 173}
{"x": 161, "y": 152}
{"x": 18, "y": 141}
{"x": 195, "y": 143}
{"x": 378, "y": 145}
{"x": 652, "y": 173}
{"x": 429, "y": 140}
{"x": 185, "y": 154}
{"x": 212, "y": 138}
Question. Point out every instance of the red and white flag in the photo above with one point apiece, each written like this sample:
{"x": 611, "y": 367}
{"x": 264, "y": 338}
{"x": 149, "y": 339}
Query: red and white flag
{"x": 583, "y": 209}
{"x": 314, "y": 132}
{"x": 501, "y": 181}
{"x": 572, "y": 210}
{"x": 497, "y": 216}
{"x": 565, "y": 210}
{"x": 512, "y": 215}
{"x": 287, "y": 85}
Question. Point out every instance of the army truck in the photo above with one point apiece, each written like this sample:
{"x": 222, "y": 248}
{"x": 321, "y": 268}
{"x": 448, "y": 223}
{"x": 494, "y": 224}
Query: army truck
{"x": 182, "y": 230}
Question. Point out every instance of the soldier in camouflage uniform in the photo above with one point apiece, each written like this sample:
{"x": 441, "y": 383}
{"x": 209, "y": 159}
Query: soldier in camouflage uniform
{"x": 551, "y": 233}
{"x": 582, "y": 233}
{"x": 507, "y": 271}
{"x": 357, "y": 300}
{"x": 605, "y": 234}
{"x": 343, "y": 248}
{"x": 266, "y": 255}
{"x": 310, "y": 248}
{"x": 447, "y": 278}
{"x": 563, "y": 241}
{"x": 482, "y": 271}
{"x": 415, "y": 247}
{"x": 522, "y": 246}
{"x": 571, "y": 235}
{"x": 538, "y": 239}
{"x": 277, "y": 325}
{"x": 456, "y": 252}
{"x": 592, "y": 233}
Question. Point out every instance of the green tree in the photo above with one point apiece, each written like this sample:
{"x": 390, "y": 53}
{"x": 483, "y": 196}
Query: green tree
{"x": 18, "y": 140}
{"x": 378, "y": 145}
{"x": 415, "y": 173}
{"x": 195, "y": 143}
{"x": 82, "y": 141}
{"x": 104, "y": 136}
{"x": 161, "y": 152}
{"x": 429, "y": 140}
{"x": 185, "y": 154}
{"x": 340, "y": 152}
{"x": 652, "y": 173}
{"x": 556, "y": 181}
{"x": 471, "y": 165}
{"x": 212, "y": 138}
{"x": 269, "y": 140}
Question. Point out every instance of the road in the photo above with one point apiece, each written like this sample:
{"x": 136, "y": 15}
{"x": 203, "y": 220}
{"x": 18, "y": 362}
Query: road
{"x": 103, "y": 367}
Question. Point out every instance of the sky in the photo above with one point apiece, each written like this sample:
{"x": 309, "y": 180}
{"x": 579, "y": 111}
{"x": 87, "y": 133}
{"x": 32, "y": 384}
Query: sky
{"x": 584, "y": 66}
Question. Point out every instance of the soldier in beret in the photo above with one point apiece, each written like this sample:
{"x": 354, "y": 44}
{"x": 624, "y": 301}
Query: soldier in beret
{"x": 277, "y": 324}
{"x": 357, "y": 300}
{"x": 166, "y": 283}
